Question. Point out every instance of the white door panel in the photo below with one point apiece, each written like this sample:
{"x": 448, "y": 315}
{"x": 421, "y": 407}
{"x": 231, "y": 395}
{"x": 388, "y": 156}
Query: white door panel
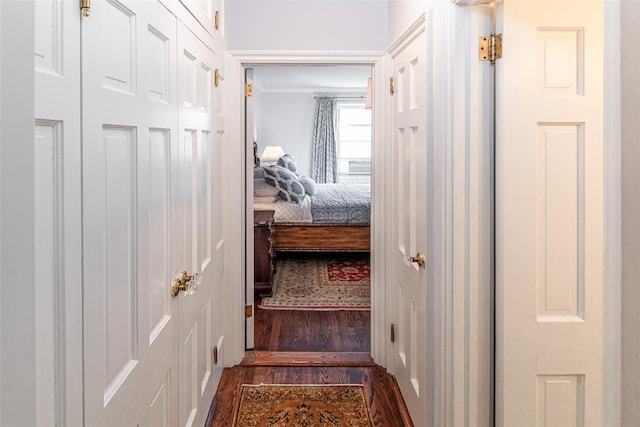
{"x": 549, "y": 214}
{"x": 129, "y": 121}
{"x": 193, "y": 222}
{"x": 57, "y": 258}
{"x": 410, "y": 216}
{"x": 203, "y": 11}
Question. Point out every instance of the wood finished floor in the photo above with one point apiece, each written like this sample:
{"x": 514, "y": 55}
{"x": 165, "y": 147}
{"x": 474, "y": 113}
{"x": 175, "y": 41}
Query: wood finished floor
{"x": 283, "y": 330}
{"x": 380, "y": 388}
{"x": 312, "y": 347}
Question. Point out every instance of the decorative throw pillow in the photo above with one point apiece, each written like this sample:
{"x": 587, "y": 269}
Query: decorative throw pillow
{"x": 262, "y": 189}
{"x": 287, "y": 184}
{"x": 310, "y": 186}
{"x": 289, "y": 162}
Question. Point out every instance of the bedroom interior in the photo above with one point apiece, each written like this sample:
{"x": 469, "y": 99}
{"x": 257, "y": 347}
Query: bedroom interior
{"x": 312, "y": 207}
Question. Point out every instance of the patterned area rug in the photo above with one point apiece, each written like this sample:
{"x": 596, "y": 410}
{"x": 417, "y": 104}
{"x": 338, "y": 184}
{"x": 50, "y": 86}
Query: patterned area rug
{"x": 302, "y": 406}
{"x": 321, "y": 282}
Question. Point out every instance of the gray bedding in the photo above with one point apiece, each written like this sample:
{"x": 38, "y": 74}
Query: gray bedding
{"x": 341, "y": 203}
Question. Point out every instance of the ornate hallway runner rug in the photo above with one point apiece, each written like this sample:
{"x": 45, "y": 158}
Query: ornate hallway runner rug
{"x": 321, "y": 282}
{"x": 302, "y": 406}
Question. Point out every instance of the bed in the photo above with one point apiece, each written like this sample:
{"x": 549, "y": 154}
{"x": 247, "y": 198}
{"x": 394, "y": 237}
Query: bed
{"x": 331, "y": 218}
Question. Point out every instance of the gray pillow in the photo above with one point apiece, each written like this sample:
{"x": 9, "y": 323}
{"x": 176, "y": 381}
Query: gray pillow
{"x": 287, "y": 184}
{"x": 310, "y": 186}
{"x": 289, "y": 162}
{"x": 262, "y": 189}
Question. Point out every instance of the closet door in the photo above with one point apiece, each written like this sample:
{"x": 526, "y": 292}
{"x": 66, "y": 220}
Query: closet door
{"x": 192, "y": 248}
{"x": 549, "y": 207}
{"x": 129, "y": 126}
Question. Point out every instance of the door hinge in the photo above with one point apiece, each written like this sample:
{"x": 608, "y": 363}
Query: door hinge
{"x": 216, "y": 20}
{"x": 392, "y": 86}
{"x": 393, "y": 333}
{"x": 216, "y": 77}
{"x": 215, "y": 355}
{"x": 248, "y": 311}
{"x": 491, "y": 48}
{"x": 248, "y": 90}
{"x": 85, "y": 7}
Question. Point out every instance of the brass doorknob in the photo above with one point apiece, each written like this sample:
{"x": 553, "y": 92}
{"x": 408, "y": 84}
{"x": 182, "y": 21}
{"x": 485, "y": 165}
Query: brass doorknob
{"x": 186, "y": 283}
{"x": 419, "y": 258}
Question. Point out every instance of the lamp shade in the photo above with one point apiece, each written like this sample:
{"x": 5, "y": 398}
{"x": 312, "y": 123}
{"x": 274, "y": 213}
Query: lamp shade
{"x": 271, "y": 154}
{"x": 367, "y": 102}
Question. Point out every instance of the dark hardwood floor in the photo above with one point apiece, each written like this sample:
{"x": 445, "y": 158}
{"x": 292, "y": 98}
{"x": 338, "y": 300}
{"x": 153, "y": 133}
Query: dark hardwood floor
{"x": 284, "y": 330}
{"x": 381, "y": 391}
{"x": 312, "y": 347}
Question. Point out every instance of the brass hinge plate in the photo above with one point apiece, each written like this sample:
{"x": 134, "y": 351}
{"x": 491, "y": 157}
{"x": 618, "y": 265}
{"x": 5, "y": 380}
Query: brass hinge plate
{"x": 393, "y": 333}
{"x": 85, "y": 7}
{"x": 215, "y": 355}
{"x": 248, "y": 90}
{"x": 491, "y": 48}
{"x": 248, "y": 311}
{"x": 216, "y": 20}
{"x": 392, "y": 86}
{"x": 216, "y": 78}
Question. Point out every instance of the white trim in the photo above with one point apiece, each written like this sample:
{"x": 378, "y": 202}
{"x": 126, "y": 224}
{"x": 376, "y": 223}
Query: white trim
{"x": 471, "y": 220}
{"x": 239, "y": 204}
{"x": 321, "y": 90}
{"x": 612, "y": 286}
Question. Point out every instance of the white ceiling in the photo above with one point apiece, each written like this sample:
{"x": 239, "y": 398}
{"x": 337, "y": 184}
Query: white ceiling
{"x": 294, "y": 78}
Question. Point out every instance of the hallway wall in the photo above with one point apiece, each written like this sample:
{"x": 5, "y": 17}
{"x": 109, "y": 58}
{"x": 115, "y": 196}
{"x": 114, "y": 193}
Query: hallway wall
{"x": 630, "y": 36}
{"x": 287, "y": 121}
{"x": 307, "y": 25}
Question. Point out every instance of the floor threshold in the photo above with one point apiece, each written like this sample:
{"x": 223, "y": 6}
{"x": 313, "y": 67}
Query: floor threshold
{"x": 306, "y": 358}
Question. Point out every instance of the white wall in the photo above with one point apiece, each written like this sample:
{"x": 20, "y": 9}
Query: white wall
{"x": 286, "y": 119}
{"x": 630, "y": 35}
{"x": 18, "y": 341}
{"x": 307, "y": 25}
{"x": 402, "y": 13}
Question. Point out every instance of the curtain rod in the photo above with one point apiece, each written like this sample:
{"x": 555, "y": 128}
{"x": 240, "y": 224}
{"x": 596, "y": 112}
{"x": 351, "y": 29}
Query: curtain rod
{"x": 342, "y": 97}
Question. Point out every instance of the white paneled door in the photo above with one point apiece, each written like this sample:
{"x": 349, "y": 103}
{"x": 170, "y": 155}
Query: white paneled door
{"x": 549, "y": 214}
{"x": 147, "y": 161}
{"x": 409, "y": 184}
{"x": 192, "y": 246}
{"x": 129, "y": 121}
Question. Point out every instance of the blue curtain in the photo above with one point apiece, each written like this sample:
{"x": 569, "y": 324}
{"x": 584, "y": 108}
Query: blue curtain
{"x": 324, "y": 157}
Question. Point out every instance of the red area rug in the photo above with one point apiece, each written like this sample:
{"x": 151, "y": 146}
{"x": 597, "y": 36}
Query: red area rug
{"x": 348, "y": 269}
{"x": 320, "y": 282}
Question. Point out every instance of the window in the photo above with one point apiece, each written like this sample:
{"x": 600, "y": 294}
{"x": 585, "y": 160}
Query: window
{"x": 354, "y": 143}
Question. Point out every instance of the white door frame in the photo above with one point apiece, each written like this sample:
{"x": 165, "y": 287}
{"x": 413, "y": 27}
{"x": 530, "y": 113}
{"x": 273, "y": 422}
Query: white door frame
{"x": 460, "y": 134}
{"x": 239, "y": 202}
{"x": 460, "y": 370}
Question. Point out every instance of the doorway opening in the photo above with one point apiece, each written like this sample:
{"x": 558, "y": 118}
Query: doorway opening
{"x": 311, "y": 286}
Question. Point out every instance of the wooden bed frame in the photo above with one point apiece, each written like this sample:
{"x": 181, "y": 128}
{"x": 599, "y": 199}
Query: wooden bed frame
{"x": 308, "y": 237}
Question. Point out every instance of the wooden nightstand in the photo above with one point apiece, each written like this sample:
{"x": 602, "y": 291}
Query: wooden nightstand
{"x": 263, "y": 255}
